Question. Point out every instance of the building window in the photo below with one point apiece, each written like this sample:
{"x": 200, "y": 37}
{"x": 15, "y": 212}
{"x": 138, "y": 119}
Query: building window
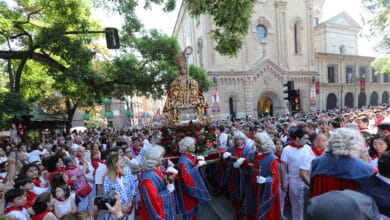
{"x": 315, "y": 22}
{"x": 386, "y": 77}
{"x": 349, "y": 74}
{"x": 362, "y": 72}
{"x": 261, "y": 31}
{"x": 374, "y": 77}
{"x": 342, "y": 49}
{"x": 331, "y": 73}
{"x": 297, "y": 38}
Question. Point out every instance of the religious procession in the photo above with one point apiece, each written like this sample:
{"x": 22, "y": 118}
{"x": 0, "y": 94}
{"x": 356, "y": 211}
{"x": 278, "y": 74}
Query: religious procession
{"x": 269, "y": 110}
{"x": 324, "y": 165}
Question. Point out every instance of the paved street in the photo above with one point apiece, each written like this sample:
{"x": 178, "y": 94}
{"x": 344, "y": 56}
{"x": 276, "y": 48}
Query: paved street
{"x": 219, "y": 208}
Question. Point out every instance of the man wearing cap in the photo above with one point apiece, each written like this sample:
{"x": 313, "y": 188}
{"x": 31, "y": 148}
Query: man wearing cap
{"x": 379, "y": 116}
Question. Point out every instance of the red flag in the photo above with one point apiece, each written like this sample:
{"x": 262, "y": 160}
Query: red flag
{"x": 317, "y": 87}
{"x": 363, "y": 86}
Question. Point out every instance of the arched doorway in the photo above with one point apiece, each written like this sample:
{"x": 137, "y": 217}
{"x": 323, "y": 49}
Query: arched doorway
{"x": 331, "y": 101}
{"x": 265, "y": 107}
{"x": 232, "y": 105}
{"x": 349, "y": 100}
{"x": 362, "y": 100}
{"x": 374, "y": 98}
{"x": 385, "y": 98}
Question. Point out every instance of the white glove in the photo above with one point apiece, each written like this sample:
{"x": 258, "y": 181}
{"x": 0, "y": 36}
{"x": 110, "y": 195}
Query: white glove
{"x": 200, "y": 157}
{"x": 240, "y": 161}
{"x": 226, "y": 155}
{"x": 171, "y": 187}
{"x": 172, "y": 170}
{"x": 260, "y": 179}
{"x": 202, "y": 163}
{"x": 170, "y": 163}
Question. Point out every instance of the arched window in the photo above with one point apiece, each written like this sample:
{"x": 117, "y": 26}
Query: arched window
{"x": 374, "y": 98}
{"x": 362, "y": 101}
{"x": 331, "y": 101}
{"x": 297, "y": 37}
{"x": 349, "y": 100}
{"x": 385, "y": 98}
{"x": 231, "y": 105}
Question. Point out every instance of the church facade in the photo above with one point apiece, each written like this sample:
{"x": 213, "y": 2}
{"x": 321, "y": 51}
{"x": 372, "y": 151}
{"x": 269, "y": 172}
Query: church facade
{"x": 287, "y": 41}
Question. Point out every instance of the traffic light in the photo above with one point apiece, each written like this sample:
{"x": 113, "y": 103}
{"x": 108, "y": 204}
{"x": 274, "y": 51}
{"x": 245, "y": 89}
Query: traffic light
{"x": 112, "y": 38}
{"x": 295, "y": 101}
{"x": 287, "y": 89}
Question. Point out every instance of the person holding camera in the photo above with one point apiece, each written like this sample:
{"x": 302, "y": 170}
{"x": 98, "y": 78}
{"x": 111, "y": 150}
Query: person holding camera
{"x": 157, "y": 197}
{"x": 120, "y": 180}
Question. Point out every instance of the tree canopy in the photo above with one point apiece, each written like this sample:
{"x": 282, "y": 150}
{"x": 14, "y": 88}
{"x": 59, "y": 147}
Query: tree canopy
{"x": 378, "y": 21}
{"x": 50, "y": 57}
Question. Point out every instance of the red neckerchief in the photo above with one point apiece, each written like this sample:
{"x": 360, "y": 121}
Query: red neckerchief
{"x": 61, "y": 200}
{"x": 60, "y": 170}
{"x": 278, "y": 154}
{"x": 71, "y": 168}
{"x": 37, "y": 182}
{"x": 379, "y": 121}
{"x": 295, "y": 145}
{"x": 95, "y": 164}
{"x": 31, "y": 197}
{"x": 137, "y": 150}
{"x": 12, "y": 208}
{"x": 120, "y": 175}
{"x": 374, "y": 156}
{"x": 363, "y": 129}
{"x": 317, "y": 152}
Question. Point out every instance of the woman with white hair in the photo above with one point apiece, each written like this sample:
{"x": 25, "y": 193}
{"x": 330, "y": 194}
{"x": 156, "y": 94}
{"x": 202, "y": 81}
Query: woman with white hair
{"x": 157, "y": 197}
{"x": 340, "y": 167}
{"x": 262, "y": 196}
{"x": 234, "y": 175}
{"x": 191, "y": 190}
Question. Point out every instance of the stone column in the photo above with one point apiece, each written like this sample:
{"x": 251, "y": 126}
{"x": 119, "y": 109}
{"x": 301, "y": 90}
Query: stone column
{"x": 248, "y": 99}
{"x": 280, "y": 12}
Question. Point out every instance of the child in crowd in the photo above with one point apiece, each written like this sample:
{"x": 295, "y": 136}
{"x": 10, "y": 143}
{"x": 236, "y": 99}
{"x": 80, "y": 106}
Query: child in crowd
{"x": 43, "y": 207}
{"x": 25, "y": 184}
{"x": 64, "y": 201}
{"x": 16, "y": 200}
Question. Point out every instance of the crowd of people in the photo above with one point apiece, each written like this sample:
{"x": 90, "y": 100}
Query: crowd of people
{"x": 270, "y": 168}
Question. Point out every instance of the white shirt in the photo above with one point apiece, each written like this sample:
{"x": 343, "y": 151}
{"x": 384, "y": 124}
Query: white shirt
{"x": 293, "y": 158}
{"x": 65, "y": 206}
{"x": 35, "y": 155}
{"x": 20, "y": 215}
{"x": 100, "y": 173}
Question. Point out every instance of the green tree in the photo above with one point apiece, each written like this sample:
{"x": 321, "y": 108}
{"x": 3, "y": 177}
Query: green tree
{"x": 378, "y": 20}
{"x": 201, "y": 76}
{"x": 40, "y": 29}
{"x": 229, "y": 30}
